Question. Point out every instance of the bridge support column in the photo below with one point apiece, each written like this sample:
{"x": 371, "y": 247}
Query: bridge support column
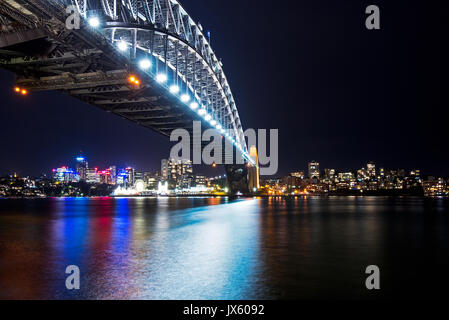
{"x": 237, "y": 178}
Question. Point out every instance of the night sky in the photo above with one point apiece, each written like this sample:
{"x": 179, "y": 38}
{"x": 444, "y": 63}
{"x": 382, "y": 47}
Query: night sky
{"x": 338, "y": 93}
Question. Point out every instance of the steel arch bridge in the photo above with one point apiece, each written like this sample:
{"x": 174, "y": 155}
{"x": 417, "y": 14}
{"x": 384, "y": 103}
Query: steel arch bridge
{"x": 177, "y": 76}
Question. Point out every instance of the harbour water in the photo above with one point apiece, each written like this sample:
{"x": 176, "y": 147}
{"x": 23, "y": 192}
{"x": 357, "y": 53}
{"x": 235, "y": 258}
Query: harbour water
{"x": 217, "y": 248}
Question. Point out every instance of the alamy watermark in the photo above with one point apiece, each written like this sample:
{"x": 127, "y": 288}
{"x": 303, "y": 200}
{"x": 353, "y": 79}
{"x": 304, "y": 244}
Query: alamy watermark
{"x": 372, "y": 282}
{"x": 220, "y": 150}
{"x": 372, "y": 22}
{"x": 72, "y": 282}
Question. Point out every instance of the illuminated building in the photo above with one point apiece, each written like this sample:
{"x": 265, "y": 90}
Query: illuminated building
{"x": 164, "y": 169}
{"x": 200, "y": 180}
{"x": 81, "y": 167}
{"x": 113, "y": 171}
{"x": 130, "y": 176}
{"x": 371, "y": 169}
{"x": 435, "y": 187}
{"x": 92, "y": 176}
{"x": 299, "y": 174}
{"x": 346, "y": 176}
{"x": 65, "y": 175}
{"x": 105, "y": 176}
{"x": 314, "y": 170}
{"x": 172, "y": 170}
{"x": 362, "y": 174}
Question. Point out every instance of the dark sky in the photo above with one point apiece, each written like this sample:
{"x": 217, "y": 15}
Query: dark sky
{"x": 338, "y": 93}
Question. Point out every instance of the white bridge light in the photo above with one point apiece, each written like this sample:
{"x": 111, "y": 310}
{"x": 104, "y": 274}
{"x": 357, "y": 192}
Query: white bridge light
{"x": 122, "y": 45}
{"x": 213, "y": 122}
{"x": 207, "y": 117}
{"x": 94, "y": 22}
{"x": 201, "y": 112}
{"x": 218, "y": 127}
{"x": 194, "y": 105}
{"x": 161, "y": 77}
{"x": 145, "y": 64}
{"x": 185, "y": 98}
{"x": 174, "y": 89}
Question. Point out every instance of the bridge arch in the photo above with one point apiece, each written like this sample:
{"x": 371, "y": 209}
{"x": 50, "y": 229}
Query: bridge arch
{"x": 164, "y": 33}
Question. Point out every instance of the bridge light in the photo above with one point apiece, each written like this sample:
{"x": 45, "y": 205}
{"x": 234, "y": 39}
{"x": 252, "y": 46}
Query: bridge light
{"x": 24, "y": 92}
{"x": 202, "y": 111}
{"x": 94, "y": 22}
{"x": 145, "y": 64}
{"x": 218, "y": 127}
{"x": 194, "y": 105}
{"x": 213, "y": 122}
{"x": 17, "y": 89}
{"x": 207, "y": 117}
{"x": 174, "y": 89}
{"x": 122, "y": 45}
{"x": 185, "y": 98}
{"x": 133, "y": 80}
{"x": 161, "y": 77}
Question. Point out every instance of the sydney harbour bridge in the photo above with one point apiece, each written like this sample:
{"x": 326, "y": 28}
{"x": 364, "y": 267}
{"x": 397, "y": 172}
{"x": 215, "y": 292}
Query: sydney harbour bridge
{"x": 147, "y": 61}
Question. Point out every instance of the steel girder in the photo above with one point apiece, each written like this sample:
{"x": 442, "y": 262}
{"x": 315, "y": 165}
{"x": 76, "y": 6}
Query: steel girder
{"x": 158, "y": 29}
{"x": 165, "y": 31}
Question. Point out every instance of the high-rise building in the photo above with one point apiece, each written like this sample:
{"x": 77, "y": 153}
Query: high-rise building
{"x": 371, "y": 169}
{"x": 113, "y": 170}
{"x": 130, "y": 176}
{"x": 164, "y": 169}
{"x": 314, "y": 170}
{"x": 172, "y": 170}
{"x": 81, "y": 167}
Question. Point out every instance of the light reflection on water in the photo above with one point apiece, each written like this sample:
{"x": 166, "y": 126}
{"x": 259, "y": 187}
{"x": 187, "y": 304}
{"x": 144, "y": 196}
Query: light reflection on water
{"x": 214, "y": 248}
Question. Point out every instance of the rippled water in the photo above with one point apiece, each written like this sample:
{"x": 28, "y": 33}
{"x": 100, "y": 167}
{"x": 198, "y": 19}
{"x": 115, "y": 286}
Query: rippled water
{"x": 214, "y": 248}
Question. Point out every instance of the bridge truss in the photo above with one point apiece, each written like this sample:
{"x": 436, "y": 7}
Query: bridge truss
{"x": 182, "y": 79}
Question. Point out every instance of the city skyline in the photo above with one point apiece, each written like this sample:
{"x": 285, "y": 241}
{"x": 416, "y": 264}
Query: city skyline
{"x": 212, "y": 170}
{"x": 178, "y": 177}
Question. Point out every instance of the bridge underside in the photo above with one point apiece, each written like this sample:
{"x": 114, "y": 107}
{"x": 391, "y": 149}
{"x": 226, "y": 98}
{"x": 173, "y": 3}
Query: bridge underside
{"x": 88, "y": 75}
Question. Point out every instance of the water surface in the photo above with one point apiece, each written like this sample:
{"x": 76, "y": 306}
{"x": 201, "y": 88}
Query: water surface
{"x": 214, "y": 248}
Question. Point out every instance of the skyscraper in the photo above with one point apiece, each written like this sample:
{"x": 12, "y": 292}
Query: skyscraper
{"x": 81, "y": 167}
{"x": 172, "y": 169}
{"x": 371, "y": 169}
{"x": 130, "y": 176}
{"x": 164, "y": 169}
{"x": 314, "y": 170}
